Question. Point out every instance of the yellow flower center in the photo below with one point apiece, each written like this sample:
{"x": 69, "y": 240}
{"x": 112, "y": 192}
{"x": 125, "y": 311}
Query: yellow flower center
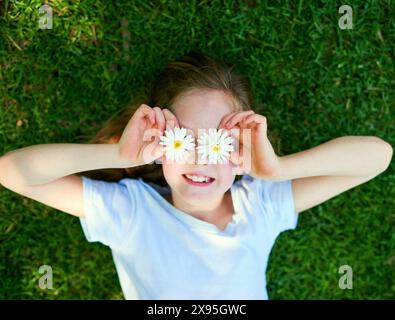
{"x": 177, "y": 144}
{"x": 216, "y": 148}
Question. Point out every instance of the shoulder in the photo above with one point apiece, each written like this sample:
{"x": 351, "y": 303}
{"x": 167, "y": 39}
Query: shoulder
{"x": 250, "y": 184}
{"x": 273, "y": 198}
{"x": 125, "y": 182}
{"x": 126, "y": 187}
{"x": 263, "y": 191}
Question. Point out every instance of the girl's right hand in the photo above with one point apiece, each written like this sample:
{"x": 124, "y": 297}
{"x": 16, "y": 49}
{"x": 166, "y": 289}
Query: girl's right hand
{"x": 139, "y": 142}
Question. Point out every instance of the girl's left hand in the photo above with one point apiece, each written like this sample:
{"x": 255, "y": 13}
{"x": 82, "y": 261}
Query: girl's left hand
{"x": 264, "y": 163}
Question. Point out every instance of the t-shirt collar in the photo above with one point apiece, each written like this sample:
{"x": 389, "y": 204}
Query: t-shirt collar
{"x": 189, "y": 219}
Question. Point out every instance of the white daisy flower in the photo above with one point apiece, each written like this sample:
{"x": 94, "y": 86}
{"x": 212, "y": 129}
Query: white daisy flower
{"x": 215, "y": 146}
{"x": 177, "y": 144}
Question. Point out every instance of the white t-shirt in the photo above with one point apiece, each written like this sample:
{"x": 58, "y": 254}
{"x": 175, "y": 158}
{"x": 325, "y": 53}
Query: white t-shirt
{"x": 161, "y": 252}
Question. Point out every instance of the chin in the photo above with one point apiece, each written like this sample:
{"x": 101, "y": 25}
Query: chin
{"x": 197, "y": 197}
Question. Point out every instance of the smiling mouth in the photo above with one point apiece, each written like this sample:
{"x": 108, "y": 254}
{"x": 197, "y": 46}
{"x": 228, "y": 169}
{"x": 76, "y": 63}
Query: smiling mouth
{"x": 198, "y": 180}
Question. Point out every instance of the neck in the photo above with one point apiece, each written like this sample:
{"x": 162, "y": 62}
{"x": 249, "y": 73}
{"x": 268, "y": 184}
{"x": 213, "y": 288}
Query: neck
{"x": 209, "y": 211}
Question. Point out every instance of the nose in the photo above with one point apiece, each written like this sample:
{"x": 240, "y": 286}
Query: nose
{"x": 195, "y": 159}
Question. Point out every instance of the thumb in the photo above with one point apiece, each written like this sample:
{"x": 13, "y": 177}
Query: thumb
{"x": 158, "y": 148}
{"x": 152, "y": 150}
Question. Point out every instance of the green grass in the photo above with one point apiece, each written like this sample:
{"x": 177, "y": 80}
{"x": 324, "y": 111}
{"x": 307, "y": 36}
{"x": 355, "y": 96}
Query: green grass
{"x": 314, "y": 82}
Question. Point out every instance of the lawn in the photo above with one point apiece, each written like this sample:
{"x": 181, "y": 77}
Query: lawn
{"x": 312, "y": 80}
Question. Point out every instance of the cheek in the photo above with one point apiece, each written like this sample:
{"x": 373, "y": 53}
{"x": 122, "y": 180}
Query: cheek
{"x": 168, "y": 170}
{"x": 171, "y": 172}
{"x": 225, "y": 174}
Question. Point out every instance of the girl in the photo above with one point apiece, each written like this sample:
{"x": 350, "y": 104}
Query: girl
{"x": 172, "y": 237}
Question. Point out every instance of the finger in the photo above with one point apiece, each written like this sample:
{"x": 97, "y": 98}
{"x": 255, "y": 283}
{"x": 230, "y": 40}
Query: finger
{"x": 146, "y": 111}
{"x": 158, "y": 150}
{"x": 241, "y": 156}
{"x": 237, "y": 143}
{"x": 171, "y": 120}
{"x": 160, "y": 118}
{"x": 225, "y": 119}
{"x": 237, "y": 158}
{"x": 241, "y": 124}
{"x": 152, "y": 150}
{"x": 237, "y": 118}
{"x": 234, "y": 133}
{"x": 256, "y": 118}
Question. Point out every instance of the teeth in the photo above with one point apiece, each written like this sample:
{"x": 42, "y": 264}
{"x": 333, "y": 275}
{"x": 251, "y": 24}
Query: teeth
{"x": 197, "y": 178}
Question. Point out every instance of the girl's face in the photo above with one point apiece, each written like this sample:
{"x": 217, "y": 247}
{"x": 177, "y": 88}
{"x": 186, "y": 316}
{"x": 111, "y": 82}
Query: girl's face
{"x": 200, "y": 109}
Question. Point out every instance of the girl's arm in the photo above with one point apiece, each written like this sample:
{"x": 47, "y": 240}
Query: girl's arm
{"x": 319, "y": 173}
{"x": 45, "y": 172}
{"x": 344, "y": 156}
{"x": 43, "y": 163}
{"x": 322, "y": 172}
